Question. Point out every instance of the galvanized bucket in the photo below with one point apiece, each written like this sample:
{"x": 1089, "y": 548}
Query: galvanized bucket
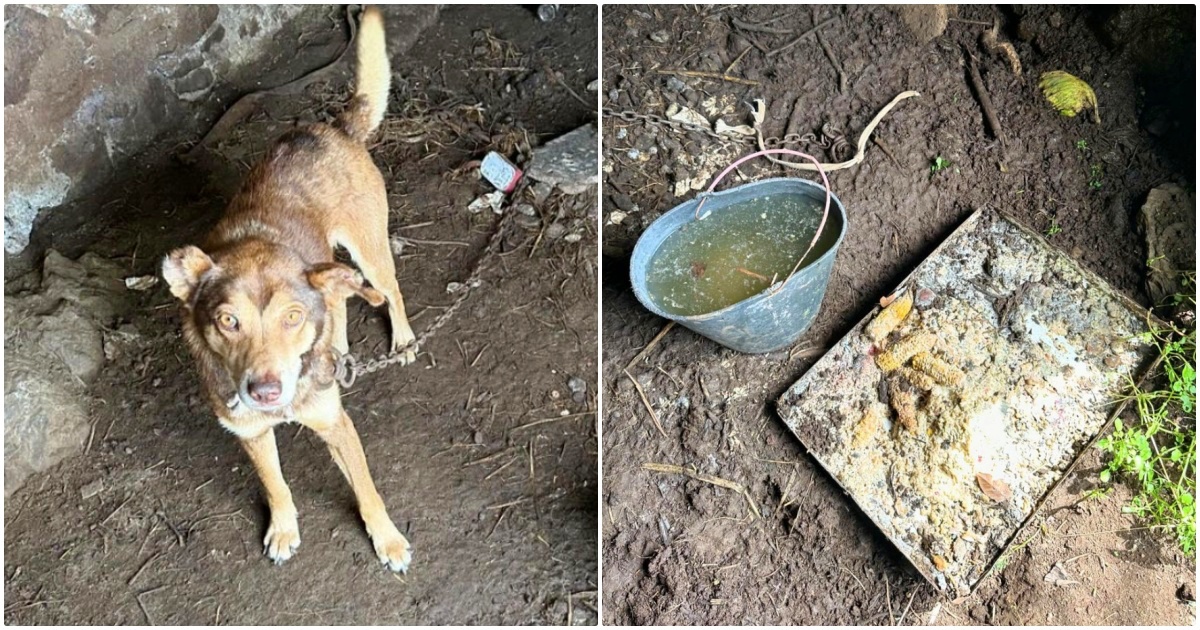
{"x": 777, "y": 316}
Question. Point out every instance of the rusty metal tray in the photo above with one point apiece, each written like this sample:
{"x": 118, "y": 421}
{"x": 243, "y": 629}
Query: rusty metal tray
{"x": 1044, "y": 350}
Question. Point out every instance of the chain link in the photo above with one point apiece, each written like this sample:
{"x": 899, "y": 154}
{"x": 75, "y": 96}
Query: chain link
{"x": 348, "y": 368}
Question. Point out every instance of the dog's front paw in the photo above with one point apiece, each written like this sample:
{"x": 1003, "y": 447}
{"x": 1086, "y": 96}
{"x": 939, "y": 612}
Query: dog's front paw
{"x": 410, "y": 355}
{"x": 283, "y": 537}
{"x": 392, "y": 548}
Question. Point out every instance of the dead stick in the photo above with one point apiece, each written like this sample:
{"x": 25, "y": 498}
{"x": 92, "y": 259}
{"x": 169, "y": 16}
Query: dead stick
{"x": 759, "y": 28}
{"x": 841, "y": 74}
{"x": 662, "y": 333}
{"x": 708, "y": 75}
{"x": 887, "y": 585}
{"x": 711, "y": 479}
{"x": 142, "y": 568}
{"x": 886, "y": 151}
{"x": 985, "y": 101}
{"x": 735, "y": 61}
{"x": 905, "y": 613}
{"x": 554, "y": 419}
{"x": 758, "y": 276}
{"x": 149, "y": 620}
{"x": 646, "y": 402}
{"x": 798, "y": 39}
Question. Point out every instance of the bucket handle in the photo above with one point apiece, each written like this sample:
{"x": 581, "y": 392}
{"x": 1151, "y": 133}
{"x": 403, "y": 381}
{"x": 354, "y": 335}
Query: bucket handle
{"x": 824, "y": 217}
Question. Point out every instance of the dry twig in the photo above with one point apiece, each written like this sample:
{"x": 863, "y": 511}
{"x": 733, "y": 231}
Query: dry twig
{"x": 646, "y": 402}
{"x": 706, "y": 478}
{"x": 708, "y": 75}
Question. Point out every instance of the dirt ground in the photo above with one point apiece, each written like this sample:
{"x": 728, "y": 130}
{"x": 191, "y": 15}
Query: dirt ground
{"x": 680, "y": 551}
{"x": 502, "y": 516}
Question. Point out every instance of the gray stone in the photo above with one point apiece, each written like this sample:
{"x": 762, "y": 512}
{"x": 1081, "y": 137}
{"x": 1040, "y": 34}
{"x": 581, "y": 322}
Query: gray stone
{"x": 75, "y": 340}
{"x": 92, "y": 489}
{"x": 1168, "y": 221}
{"x": 54, "y": 349}
{"x": 45, "y": 418}
{"x": 87, "y": 87}
{"x": 568, "y": 161}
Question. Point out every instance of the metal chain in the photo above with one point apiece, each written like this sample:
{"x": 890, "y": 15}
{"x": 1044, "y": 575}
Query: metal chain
{"x": 348, "y": 368}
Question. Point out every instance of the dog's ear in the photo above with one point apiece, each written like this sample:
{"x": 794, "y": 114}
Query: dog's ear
{"x": 183, "y": 268}
{"x": 340, "y": 282}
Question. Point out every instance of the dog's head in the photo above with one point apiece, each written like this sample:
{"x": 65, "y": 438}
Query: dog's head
{"x": 260, "y": 311}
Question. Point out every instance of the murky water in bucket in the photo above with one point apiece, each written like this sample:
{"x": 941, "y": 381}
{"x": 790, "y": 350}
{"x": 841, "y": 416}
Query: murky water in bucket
{"x": 735, "y": 253}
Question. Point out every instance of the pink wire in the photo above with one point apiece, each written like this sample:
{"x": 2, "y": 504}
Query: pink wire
{"x": 828, "y": 195}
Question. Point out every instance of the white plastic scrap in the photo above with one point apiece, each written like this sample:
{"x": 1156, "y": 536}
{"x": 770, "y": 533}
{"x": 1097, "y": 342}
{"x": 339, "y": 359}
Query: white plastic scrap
{"x": 140, "y": 283}
{"x": 493, "y": 200}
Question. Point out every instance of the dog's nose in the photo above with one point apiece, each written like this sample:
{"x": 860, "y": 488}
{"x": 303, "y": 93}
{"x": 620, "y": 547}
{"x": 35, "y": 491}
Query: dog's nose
{"x": 266, "y": 391}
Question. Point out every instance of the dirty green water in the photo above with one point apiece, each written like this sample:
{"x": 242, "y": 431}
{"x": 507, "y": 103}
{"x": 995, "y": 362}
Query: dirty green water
{"x": 735, "y": 252}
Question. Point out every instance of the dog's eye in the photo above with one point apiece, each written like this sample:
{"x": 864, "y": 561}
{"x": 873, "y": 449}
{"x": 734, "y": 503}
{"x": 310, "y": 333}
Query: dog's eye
{"x": 293, "y": 318}
{"x": 227, "y": 322}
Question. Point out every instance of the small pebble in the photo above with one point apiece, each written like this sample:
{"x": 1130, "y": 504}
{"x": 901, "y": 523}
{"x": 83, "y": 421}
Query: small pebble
{"x": 675, "y": 85}
{"x": 622, "y": 133}
{"x": 660, "y": 37}
{"x": 92, "y": 489}
{"x": 613, "y": 95}
{"x": 578, "y": 389}
{"x": 924, "y": 298}
{"x": 634, "y": 154}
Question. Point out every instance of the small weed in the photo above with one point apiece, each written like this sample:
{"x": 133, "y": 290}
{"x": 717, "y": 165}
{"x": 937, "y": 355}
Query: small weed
{"x": 1096, "y": 494}
{"x": 1054, "y": 228}
{"x": 1157, "y": 454}
{"x": 1096, "y": 177}
{"x": 939, "y": 164}
{"x": 1081, "y": 145}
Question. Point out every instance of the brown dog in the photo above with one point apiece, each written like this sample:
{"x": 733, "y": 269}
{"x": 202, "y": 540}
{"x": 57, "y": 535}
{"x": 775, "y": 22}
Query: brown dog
{"x": 264, "y": 304}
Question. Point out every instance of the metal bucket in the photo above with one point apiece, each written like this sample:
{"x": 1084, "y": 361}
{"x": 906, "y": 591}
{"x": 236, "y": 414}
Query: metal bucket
{"x": 778, "y": 315}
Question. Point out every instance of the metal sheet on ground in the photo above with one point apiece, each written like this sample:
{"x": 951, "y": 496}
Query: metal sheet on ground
{"x": 1011, "y": 361}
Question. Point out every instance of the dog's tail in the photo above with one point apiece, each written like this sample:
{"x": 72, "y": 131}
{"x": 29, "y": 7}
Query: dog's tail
{"x": 372, "y": 78}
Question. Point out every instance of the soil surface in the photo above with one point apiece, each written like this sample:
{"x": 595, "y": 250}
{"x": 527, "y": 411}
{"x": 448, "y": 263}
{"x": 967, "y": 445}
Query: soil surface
{"x": 501, "y": 509}
{"x": 678, "y": 550}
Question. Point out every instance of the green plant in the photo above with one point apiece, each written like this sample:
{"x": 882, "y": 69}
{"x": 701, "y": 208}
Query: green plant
{"x": 939, "y": 164}
{"x": 1157, "y": 454}
{"x": 1054, "y": 228}
{"x": 1096, "y": 177}
{"x": 1081, "y": 145}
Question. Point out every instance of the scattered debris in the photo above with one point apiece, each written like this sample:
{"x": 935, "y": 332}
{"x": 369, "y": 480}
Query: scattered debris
{"x": 687, "y": 116}
{"x": 1058, "y": 576}
{"x": 740, "y": 130}
{"x": 616, "y": 217}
